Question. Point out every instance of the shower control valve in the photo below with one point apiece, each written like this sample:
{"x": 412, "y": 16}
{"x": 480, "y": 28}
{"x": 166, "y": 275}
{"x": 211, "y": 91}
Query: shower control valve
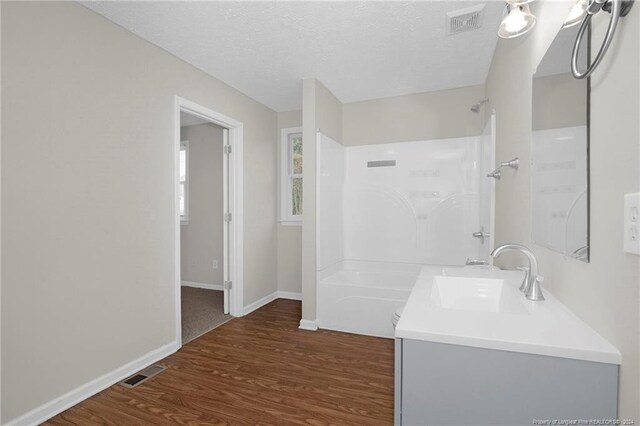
{"x": 481, "y": 234}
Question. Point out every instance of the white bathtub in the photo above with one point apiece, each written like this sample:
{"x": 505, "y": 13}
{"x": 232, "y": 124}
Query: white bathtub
{"x": 361, "y": 297}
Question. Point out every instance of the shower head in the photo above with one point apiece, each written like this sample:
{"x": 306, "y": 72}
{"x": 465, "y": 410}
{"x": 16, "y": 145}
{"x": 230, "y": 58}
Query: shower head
{"x": 476, "y": 107}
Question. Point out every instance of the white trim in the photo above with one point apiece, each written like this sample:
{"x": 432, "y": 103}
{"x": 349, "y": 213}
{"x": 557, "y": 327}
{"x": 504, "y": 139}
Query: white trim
{"x": 270, "y": 298}
{"x": 286, "y": 218}
{"x": 226, "y": 228}
{"x": 492, "y": 213}
{"x": 184, "y": 220}
{"x": 48, "y": 410}
{"x": 205, "y": 286}
{"x": 235, "y": 191}
{"x": 309, "y": 325}
{"x": 260, "y": 303}
{"x": 290, "y": 295}
{"x": 312, "y": 325}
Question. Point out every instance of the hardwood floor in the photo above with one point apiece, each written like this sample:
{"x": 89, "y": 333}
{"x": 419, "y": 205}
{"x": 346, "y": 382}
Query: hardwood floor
{"x": 257, "y": 370}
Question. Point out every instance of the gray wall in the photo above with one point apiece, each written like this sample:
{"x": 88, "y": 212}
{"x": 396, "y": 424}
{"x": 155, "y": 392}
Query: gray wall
{"x": 289, "y": 236}
{"x": 201, "y": 240}
{"x": 322, "y": 111}
{"x": 604, "y": 292}
{"x": 422, "y": 116}
{"x": 87, "y": 194}
{"x": 559, "y": 101}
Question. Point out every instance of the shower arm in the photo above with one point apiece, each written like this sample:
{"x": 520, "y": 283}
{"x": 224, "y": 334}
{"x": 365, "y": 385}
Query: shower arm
{"x": 497, "y": 173}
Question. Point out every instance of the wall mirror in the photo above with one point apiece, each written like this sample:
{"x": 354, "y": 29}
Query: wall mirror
{"x": 560, "y": 152}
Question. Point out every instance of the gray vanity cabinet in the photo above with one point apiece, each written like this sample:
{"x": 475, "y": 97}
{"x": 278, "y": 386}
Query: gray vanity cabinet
{"x": 445, "y": 384}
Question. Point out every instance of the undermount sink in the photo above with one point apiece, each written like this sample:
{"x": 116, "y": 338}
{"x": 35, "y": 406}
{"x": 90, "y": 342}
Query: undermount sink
{"x": 477, "y": 294}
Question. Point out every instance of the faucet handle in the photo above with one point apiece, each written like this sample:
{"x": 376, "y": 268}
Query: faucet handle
{"x": 476, "y": 262}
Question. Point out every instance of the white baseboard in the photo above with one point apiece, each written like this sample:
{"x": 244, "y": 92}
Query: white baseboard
{"x": 46, "y": 411}
{"x": 308, "y": 325}
{"x": 289, "y": 295}
{"x": 260, "y": 303}
{"x": 202, "y": 285}
{"x": 270, "y": 298}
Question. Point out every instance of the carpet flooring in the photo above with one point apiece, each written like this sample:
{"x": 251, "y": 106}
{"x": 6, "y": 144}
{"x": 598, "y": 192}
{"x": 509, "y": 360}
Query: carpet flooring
{"x": 202, "y": 311}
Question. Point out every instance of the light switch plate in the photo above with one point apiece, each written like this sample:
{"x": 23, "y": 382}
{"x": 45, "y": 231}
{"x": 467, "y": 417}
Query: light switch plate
{"x": 632, "y": 223}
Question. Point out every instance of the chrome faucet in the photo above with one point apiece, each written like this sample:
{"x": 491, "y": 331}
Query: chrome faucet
{"x": 531, "y": 285}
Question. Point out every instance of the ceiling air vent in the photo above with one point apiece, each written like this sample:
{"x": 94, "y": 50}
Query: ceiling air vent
{"x": 466, "y": 19}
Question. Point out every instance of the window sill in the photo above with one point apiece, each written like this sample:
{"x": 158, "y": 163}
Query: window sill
{"x": 291, "y": 222}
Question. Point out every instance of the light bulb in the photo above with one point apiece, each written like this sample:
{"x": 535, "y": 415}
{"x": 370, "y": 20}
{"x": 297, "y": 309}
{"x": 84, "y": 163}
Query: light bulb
{"x": 515, "y": 22}
{"x": 518, "y": 21}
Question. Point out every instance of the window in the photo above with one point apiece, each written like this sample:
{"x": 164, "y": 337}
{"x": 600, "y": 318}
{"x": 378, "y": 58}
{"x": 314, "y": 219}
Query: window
{"x": 184, "y": 182}
{"x": 291, "y": 179}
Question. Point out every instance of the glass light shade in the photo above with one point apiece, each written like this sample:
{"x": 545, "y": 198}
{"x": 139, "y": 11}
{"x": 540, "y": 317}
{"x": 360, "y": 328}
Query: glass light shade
{"x": 518, "y": 21}
{"x": 577, "y": 14}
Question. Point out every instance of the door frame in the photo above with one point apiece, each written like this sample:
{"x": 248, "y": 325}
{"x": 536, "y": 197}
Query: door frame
{"x": 235, "y": 205}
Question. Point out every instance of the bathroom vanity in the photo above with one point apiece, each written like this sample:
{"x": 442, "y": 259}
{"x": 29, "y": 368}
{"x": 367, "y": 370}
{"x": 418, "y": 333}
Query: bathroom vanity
{"x": 471, "y": 349}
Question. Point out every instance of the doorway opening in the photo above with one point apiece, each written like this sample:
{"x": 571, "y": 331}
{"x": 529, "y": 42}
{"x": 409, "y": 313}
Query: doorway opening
{"x": 208, "y": 212}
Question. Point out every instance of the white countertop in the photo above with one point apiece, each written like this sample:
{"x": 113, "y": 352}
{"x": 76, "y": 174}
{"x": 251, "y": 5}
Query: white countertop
{"x": 542, "y": 328}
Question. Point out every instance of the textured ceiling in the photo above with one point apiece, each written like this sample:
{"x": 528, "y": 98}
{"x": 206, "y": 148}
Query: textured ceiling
{"x": 360, "y": 49}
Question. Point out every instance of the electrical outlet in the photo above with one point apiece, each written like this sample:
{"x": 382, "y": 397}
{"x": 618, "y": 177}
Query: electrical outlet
{"x": 215, "y": 264}
{"x": 632, "y": 223}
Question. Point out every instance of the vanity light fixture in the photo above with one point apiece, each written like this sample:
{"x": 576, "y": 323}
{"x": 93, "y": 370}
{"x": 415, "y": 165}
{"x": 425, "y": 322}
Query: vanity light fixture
{"x": 617, "y": 9}
{"x": 519, "y": 20}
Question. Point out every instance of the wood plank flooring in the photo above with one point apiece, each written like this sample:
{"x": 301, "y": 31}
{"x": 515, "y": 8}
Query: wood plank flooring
{"x": 257, "y": 370}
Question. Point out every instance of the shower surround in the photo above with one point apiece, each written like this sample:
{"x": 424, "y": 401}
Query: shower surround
{"x": 385, "y": 210}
